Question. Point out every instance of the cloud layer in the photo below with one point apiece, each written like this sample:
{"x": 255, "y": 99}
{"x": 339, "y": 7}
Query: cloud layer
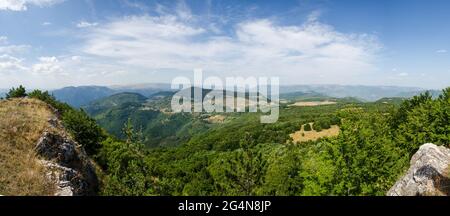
{"x": 256, "y": 47}
{"x": 156, "y": 48}
{"x": 22, "y": 5}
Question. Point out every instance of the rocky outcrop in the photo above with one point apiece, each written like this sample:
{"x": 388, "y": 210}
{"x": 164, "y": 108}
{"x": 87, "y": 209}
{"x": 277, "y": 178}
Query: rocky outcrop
{"x": 66, "y": 162}
{"x": 427, "y": 175}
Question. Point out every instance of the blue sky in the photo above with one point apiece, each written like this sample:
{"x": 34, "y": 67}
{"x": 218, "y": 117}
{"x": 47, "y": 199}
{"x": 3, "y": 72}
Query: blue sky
{"x": 55, "y": 43}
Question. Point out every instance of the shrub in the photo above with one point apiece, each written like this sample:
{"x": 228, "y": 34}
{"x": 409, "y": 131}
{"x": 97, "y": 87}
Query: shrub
{"x": 16, "y": 92}
{"x": 84, "y": 129}
{"x": 307, "y": 127}
{"x": 322, "y": 124}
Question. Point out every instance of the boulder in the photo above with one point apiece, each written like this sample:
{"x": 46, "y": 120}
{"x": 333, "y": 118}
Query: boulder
{"x": 427, "y": 175}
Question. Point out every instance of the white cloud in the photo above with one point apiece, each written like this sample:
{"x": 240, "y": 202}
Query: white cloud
{"x": 14, "y": 48}
{"x": 147, "y": 48}
{"x": 76, "y": 58}
{"x": 298, "y": 53}
{"x": 46, "y": 23}
{"x": 84, "y": 24}
{"x": 10, "y": 64}
{"x": 403, "y": 74}
{"x": 7, "y": 48}
{"x": 183, "y": 11}
{"x": 314, "y": 16}
{"x": 47, "y": 66}
{"x": 22, "y": 5}
{"x": 3, "y": 39}
{"x": 441, "y": 51}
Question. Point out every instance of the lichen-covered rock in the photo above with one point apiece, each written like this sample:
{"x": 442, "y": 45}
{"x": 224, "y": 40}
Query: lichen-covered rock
{"x": 427, "y": 175}
{"x": 55, "y": 147}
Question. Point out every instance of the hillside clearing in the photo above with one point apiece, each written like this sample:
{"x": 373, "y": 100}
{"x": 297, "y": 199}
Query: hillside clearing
{"x": 304, "y": 136}
{"x": 216, "y": 119}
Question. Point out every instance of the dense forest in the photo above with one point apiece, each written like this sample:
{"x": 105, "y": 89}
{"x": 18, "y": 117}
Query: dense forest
{"x": 241, "y": 156}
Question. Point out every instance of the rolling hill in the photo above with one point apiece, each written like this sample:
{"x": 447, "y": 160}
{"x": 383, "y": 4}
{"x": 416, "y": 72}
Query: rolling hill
{"x": 83, "y": 95}
{"x": 156, "y": 126}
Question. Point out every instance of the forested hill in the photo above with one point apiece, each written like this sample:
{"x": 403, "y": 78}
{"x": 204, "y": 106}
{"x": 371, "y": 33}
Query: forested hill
{"x": 83, "y": 95}
{"x": 236, "y": 155}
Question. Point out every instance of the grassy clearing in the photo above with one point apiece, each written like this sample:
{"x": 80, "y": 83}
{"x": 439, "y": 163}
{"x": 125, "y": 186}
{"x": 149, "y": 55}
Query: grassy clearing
{"x": 22, "y": 122}
{"x": 216, "y": 119}
{"x": 304, "y": 136}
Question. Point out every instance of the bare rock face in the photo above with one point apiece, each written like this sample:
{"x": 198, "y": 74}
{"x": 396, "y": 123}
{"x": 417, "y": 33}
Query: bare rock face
{"x": 427, "y": 175}
{"x": 67, "y": 164}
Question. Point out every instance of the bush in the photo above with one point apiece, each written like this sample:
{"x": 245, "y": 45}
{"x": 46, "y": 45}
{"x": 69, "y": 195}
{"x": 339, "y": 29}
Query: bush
{"x": 335, "y": 120}
{"x": 16, "y": 92}
{"x": 84, "y": 129}
{"x": 307, "y": 127}
{"x": 322, "y": 124}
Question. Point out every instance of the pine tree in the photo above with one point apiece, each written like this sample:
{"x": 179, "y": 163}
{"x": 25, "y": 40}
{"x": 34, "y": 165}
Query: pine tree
{"x": 16, "y": 92}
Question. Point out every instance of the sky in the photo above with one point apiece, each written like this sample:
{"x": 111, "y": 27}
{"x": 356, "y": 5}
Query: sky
{"x": 55, "y": 43}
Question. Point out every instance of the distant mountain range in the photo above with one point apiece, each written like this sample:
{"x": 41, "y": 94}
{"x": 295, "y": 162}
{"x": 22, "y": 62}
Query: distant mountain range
{"x": 365, "y": 93}
{"x": 83, "y": 95}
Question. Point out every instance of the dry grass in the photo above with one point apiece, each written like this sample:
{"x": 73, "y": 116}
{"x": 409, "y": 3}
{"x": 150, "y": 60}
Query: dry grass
{"x": 216, "y": 119}
{"x": 312, "y": 103}
{"x": 22, "y": 122}
{"x": 303, "y": 136}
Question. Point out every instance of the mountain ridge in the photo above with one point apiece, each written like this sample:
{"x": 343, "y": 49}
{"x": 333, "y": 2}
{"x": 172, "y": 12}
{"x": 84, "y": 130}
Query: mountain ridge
{"x": 83, "y": 95}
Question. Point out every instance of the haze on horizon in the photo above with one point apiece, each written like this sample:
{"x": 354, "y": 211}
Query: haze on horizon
{"x": 55, "y": 43}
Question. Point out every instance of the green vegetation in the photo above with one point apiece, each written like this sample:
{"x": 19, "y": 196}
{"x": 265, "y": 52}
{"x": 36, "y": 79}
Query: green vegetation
{"x": 307, "y": 127}
{"x": 159, "y": 128}
{"x": 83, "y": 128}
{"x": 244, "y": 157}
{"x": 16, "y": 92}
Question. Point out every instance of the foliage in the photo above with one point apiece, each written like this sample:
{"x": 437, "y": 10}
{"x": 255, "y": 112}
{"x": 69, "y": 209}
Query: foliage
{"x": 16, "y": 92}
{"x": 83, "y": 128}
{"x": 242, "y": 173}
{"x": 307, "y": 127}
{"x": 158, "y": 128}
{"x": 244, "y": 157}
{"x": 126, "y": 168}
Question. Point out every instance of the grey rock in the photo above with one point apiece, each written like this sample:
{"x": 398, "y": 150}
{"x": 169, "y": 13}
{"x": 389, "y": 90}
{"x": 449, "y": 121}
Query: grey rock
{"x": 427, "y": 175}
{"x": 53, "y": 121}
{"x": 67, "y": 165}
{"x": 56, "y": 147}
